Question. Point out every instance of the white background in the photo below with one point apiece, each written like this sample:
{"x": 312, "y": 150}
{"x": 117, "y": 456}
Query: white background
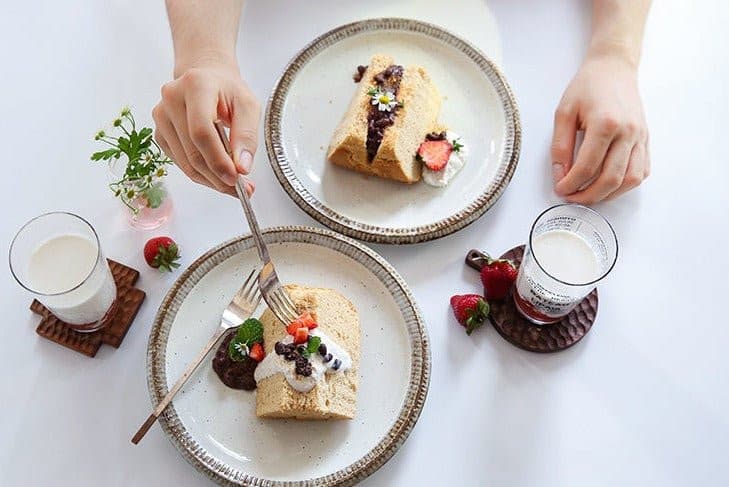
{"x": 642, "y": 400}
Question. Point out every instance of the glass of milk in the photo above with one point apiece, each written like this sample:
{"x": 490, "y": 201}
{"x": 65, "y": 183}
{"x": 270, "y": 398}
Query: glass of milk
{"x": 571, "y": 248}
{"x": 57, "y": 257}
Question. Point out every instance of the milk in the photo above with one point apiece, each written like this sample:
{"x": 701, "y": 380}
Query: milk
{"x": 64, "y": 267}
{"x": 566, "y": 256}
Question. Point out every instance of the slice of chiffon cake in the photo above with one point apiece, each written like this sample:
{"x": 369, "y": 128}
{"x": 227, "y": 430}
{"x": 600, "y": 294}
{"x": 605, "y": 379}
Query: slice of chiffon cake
{"x": 392, "y": 144}
{"x": 281, "y": 392}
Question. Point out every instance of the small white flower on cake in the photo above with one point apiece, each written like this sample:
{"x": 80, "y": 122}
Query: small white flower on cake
{"x": 241, "y": 348}
{"x": 385, "y": 100}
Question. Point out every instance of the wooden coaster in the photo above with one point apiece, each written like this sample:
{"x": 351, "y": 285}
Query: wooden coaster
{"x": 128, "y": 301}
{"x": 526, "y": 335}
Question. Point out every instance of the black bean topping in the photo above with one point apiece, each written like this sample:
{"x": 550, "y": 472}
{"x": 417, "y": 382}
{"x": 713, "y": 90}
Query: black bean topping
{"x": 360, "y": 72}
{"x": 436, "y": 136}
{"x": 322, "y": 349}
{"x": 290, "y": 356}
{"x": 280, "y": 348}
{"x": 337, "y": 363}
{"x": 328, "y": 357}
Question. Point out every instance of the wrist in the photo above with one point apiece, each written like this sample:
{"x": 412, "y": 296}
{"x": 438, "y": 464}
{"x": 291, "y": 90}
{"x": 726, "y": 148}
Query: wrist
{"x": 204, "y": 58}
{"x": 615, "y": 51}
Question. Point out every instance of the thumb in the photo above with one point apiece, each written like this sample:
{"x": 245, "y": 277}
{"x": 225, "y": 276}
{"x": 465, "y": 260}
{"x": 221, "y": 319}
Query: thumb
{"x": 244, "y": 133}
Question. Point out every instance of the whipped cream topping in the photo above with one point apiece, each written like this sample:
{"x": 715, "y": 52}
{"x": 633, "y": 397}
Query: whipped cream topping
{"x": 455, "y": 163}
{"x": 276, "y": 364}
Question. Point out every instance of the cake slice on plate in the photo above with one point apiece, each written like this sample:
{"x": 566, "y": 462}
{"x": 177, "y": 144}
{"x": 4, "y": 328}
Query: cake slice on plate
{"x": 311, "y": 366}
{"x": 389, "y": 115}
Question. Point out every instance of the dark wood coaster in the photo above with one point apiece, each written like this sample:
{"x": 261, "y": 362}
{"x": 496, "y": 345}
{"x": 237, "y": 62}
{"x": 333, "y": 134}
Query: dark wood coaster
{"x": 128, "y": 301}
{"x": 526, "y": 335}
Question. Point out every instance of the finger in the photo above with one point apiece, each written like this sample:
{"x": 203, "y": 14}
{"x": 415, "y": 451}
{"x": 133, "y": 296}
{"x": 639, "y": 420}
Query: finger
{"x": 244, "y": 118}
{"x": 611, "y": 176}
{"x": 635, "y": 173}
{"x": 590, "y": 156}
{"x": 166, "y": 137}
{"x": 202, "y": 111}
{"x": 563, "y": 141}
{"x": 193, "y": 155}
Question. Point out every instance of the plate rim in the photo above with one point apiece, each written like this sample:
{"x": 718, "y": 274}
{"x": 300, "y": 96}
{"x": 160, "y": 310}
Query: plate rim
{"x": 371, "y": 233}
{"x": 391, "y": 440}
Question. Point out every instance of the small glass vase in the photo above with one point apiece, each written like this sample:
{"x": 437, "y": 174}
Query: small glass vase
{"x": 141, "y": 215}
{"x": 146, "y": 217}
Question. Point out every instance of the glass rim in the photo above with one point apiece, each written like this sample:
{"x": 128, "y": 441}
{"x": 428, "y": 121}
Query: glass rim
{"x": 34, "y": 219}
{"x": 590, "y": 210}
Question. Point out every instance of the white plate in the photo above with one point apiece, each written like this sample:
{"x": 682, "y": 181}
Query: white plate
{"x": 216, "y": 428}
{"x": 314, "y": 92}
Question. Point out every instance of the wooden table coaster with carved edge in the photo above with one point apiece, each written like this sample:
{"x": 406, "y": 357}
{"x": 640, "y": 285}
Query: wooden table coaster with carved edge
{"x": 128, "y": 301}
{"x": 524, "y": 334}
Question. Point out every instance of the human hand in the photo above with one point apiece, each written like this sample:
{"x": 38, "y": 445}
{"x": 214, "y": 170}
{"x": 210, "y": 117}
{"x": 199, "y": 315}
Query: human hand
{"x": 184, "y": 118}
{"x": 603, "y": 101}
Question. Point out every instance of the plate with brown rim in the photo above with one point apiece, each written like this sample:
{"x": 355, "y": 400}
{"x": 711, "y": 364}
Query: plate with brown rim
{"x": 313, "y": 93}
{"x": 216, "y": 429}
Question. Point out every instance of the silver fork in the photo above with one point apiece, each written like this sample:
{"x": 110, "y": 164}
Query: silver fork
{"x": 240, "y": 308}
{"x": 275, "y": 296}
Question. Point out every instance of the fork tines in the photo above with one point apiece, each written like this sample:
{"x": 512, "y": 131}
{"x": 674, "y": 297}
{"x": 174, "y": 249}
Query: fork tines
{"x": 281, "y": 305}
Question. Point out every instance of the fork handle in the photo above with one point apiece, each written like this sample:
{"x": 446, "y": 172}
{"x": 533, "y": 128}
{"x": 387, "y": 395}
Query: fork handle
{"x": 251, "y": 217}
{"x": 178, "y": 385}
{"x": 243, "y": 197}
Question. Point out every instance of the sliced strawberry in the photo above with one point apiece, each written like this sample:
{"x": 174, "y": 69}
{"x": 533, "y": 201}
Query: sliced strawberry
{"x": 301, "y": 335}
{"x": 305, "y": 320}
{"x": 435, "y": 153}
{"x": 293, "y": 326}
{"x": 256, "y": 352}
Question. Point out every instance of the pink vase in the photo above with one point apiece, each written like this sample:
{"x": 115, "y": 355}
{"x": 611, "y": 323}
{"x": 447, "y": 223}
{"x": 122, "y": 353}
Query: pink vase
{"x": 146, "y": 218}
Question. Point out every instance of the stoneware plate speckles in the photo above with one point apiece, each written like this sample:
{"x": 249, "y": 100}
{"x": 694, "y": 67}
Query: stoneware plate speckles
{"x": 216, "y": 429}
{"x": 313, "y": 93}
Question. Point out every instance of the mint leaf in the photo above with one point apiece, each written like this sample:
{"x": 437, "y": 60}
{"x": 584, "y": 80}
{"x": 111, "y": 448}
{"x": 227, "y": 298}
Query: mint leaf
{"x": 237, "y": 350}
{"x": 313, "y": 345}
{"x": 250, "y": 332}
{"x": 154, "y": 195}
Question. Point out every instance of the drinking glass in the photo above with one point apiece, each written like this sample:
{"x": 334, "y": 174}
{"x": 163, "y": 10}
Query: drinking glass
{"x": 576, "y": 248}
{"x": 58, "y": 258}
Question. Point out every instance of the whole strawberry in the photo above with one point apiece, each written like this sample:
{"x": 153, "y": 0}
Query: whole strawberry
{"x": 162, "y": 253}
{"x": 471, "y": 310}
{"x": 497, "y": 277}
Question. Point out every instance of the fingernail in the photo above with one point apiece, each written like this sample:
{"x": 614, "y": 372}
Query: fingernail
{"x": 557, "y": 172}
{"x": 245, "y": 161}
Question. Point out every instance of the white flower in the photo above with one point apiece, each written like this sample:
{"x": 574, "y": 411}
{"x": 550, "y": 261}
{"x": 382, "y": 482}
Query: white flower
{"x": 385, "y": 100}
{"x": 242, "y": 348}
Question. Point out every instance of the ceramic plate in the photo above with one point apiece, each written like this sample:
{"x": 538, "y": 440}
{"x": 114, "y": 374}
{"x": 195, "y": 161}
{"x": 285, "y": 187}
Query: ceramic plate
{"x": 314, "y": 92}
{"x": 216, "y": 429}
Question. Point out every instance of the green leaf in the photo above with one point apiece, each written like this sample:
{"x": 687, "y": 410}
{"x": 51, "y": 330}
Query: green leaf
{"x": 477, "y": 316}
{"x": 313, "y": 345}
{"x": 305, "y": 353}
{"x": 250, "y": 332}
{"x": 457, "y": 146}
{"x": 154, "y": 195}
{"x": 104, "y": 155}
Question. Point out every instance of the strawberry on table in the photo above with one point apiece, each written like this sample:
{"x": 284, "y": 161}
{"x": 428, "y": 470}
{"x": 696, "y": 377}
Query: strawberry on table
{"x": 497, "y": 277}
{"x": 162, "y": 253}
{"x": 471, "y": 310}
{"x": 435, "y": 153}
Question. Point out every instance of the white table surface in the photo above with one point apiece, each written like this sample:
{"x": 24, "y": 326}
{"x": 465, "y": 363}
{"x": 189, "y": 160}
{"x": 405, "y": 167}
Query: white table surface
{"x": 642, "y": 400}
